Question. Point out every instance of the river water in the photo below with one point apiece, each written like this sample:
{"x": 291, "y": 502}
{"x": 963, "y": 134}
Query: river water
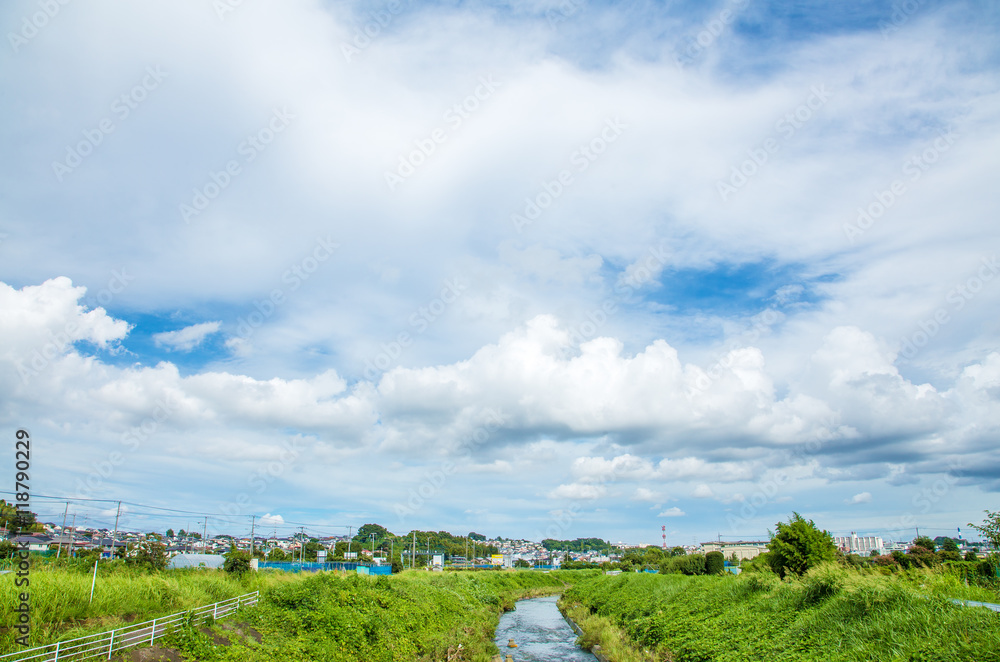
{"x": 540, "y": 632}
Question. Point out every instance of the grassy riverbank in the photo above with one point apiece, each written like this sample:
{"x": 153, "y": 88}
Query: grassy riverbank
{"x": 830, "y": 614}
{"x": 61, "y": 607}
{"x": 328, "y": 616}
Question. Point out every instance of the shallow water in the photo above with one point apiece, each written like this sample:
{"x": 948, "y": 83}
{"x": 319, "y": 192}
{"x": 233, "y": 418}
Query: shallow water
{"x": 540, "y": 632}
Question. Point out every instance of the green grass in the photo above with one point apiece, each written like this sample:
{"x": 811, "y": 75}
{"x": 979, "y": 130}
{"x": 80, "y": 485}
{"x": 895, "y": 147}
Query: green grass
{"x": 328, "y": 616}
{"x": 61, "y": 608}
{"x": 830, "y": 614}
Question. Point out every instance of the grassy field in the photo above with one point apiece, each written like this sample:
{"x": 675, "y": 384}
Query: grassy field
{"x": 830, "y": 614}
{"x": 61, "y": 608}
{"x": 328, "y": 616}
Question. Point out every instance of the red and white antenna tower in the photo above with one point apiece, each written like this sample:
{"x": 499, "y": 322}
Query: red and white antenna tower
{"x": 664, "y": 529}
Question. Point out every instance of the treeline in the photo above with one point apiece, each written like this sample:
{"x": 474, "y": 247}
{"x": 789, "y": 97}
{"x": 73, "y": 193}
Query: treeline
{"x": 578, "y": 545}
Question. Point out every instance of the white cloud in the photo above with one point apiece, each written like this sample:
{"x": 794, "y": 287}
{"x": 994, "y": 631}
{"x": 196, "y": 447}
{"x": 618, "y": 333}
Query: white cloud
{"x": 646, "y": 494}
{"x": 861, "y": 497}
{"x": 672, "y": 512}
{"x": 186, "y": 339}
{"x": 272, "y": 520}
{"x": 578, "y": 491}
{"x": 703, "y": 491}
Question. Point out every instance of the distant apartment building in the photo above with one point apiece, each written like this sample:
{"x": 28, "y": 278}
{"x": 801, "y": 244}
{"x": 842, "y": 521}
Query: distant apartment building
{"x": 743, "y": 549}
{"x": 863, "y": 545}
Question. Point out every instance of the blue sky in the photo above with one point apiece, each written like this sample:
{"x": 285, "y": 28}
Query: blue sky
{"x": 545, "y": 269}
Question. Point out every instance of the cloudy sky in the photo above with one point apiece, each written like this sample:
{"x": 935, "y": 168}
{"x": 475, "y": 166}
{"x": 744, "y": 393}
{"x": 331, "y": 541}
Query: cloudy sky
{"x": 543, "y": 269}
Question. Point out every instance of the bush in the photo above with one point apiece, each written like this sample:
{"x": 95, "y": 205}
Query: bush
{"x": 692, "y": 564}
{"x": 715, "y": 562}
{"x": 237, "y": 562}
{"x": 799, "y": 545}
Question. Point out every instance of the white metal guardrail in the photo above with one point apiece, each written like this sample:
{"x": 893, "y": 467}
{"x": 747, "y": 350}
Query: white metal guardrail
{"x": 104, "y": 644}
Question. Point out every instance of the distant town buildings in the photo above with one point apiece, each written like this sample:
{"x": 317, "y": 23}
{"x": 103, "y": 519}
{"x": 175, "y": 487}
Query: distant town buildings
{"x": 863, "y": 545}
{"x": 744, "y": 550}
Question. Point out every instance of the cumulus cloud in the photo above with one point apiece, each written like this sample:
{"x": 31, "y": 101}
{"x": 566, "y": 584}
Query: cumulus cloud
{"x": 861, "y": 497}
{"x": 672, "y": 512}
{"x": 186, "y": 339}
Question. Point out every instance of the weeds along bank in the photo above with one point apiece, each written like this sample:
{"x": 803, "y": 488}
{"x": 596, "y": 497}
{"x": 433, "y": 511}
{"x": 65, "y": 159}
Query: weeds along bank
{"x": 61, "y": 607}
{"x": 828, "y": 614}
{"x": 413, "y": 616}
{"x": 325, "y": 616}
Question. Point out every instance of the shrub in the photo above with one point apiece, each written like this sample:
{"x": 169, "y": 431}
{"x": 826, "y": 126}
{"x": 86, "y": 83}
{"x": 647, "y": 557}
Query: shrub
{"x": 715, "y": 562}
{"x": 822, "y": 582}
{"x": 799, "y": 545}
{"x": 237, "y": 562}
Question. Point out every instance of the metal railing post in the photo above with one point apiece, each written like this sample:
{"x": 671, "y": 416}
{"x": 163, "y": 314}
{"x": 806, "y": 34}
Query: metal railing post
{"x": 152, "y": 634}
{"x": 111, "y": 644}
{"x": 56, "y": 658}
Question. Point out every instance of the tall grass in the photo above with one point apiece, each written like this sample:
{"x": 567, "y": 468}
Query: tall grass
{"x": 61, "y": 607}
{"x": 829, "y": 614}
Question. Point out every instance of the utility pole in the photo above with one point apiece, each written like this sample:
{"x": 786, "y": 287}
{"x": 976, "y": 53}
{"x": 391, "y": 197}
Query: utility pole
{"x": 62, "y": 533}
{"x": 204, "y": 538}
{"x": 114, "y": 536}
{"x": 302, "y": 545}
{"x": 253, "y": 520}
{"x": 72, "y": 537}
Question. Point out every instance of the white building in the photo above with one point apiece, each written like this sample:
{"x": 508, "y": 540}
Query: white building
{"x": 863, "y": 545}
{"x": 743, "y": 549}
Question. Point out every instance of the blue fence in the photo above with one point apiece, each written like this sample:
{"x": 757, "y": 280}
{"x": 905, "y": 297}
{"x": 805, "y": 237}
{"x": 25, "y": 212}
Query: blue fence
{"x": 360, "y": 568}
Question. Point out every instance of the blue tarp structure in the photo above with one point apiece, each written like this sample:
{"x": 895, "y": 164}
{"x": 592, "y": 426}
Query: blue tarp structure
{"x": 289, "y": 566}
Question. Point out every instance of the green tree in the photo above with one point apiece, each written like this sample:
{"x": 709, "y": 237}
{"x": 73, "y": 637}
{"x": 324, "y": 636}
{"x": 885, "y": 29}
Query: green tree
{"x": 798, "y": 545}
{"x": 277, "y": 554}
{"x": 715, "y": 562}
{"x": 677, "y": 551}
{"x": 16, "y": 519}
{"x": 949, "y": 545}
{"x": 476, "y": 536}
{"x": 147, "y": 554}
{"x": 921, "y": 553}
{"x": 971, "y": 556}
{"x": 237, "y": 561}
{"x": 990, "y": 528}
{"x": 521, "y": 563}
{"x": 170, "y": 533}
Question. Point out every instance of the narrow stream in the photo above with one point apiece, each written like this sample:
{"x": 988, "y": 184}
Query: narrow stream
{"x": 540, "y": 632}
